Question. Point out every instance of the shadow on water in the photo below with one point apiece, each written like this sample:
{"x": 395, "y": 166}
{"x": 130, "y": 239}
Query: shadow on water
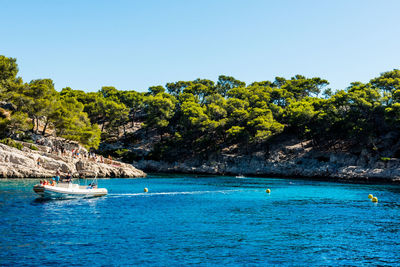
{"x": 41, "y": 200}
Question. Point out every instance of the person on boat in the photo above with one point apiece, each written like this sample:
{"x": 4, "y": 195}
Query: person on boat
{"x": 57, "y": 177}
{"x": 68, "y": 178}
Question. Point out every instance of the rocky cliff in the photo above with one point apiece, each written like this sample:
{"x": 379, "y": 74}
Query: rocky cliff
{"x": 288, "y": 160}
{"x": 24, "y": 163}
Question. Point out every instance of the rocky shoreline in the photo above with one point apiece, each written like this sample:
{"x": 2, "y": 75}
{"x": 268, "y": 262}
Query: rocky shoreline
{"x": 254, "y": 167}
{"x": 292, "y": 161}
{"x": 15, "y": 163}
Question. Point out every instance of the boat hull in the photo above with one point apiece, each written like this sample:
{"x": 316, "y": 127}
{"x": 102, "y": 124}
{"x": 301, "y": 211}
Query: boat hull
{"x": 70, "y": 191}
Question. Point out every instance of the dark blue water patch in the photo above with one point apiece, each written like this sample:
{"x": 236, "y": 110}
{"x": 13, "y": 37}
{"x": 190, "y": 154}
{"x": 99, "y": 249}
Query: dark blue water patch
{"x": 186, "y": 220}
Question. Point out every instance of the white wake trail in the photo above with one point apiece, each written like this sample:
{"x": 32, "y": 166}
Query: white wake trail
{"x": 173, "y": 193}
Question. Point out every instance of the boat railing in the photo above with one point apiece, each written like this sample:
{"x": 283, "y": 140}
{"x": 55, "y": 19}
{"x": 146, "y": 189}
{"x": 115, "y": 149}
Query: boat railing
{"x": 81, "y": 174}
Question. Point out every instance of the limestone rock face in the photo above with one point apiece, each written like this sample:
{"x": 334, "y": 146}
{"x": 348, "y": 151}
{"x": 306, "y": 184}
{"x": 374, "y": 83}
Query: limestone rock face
{"x": 24, "y": 164}
{"x": 117, "y": 169}
{"x": 287, "y": 161}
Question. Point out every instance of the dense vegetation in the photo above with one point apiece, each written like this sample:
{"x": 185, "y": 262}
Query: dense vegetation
{"x": 202, "y": 115}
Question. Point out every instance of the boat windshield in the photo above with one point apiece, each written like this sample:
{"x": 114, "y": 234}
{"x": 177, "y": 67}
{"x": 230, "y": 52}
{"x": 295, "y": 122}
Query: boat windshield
{"x": 83, "y": 174}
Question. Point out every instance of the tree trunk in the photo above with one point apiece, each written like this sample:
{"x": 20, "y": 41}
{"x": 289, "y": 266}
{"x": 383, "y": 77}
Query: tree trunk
{"x": 133, "y": 119}
{"x": 37, "y": 125}
{"x": 33, "y": 124}
{"x": 45, "y": 126}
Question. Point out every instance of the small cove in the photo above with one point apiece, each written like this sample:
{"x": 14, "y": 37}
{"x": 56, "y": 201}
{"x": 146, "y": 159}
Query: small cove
{"x": 202, "y": 220}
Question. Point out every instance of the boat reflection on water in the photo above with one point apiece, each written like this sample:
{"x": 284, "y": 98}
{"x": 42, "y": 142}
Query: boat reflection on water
{"x": 42, "y": 200}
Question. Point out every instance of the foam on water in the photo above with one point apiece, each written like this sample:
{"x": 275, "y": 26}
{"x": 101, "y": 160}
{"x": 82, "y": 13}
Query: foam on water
{"x": 173, "y": 193}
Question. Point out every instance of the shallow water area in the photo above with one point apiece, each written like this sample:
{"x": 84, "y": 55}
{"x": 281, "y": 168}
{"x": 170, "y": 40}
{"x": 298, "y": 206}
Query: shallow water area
{"x": 186, "y": 220}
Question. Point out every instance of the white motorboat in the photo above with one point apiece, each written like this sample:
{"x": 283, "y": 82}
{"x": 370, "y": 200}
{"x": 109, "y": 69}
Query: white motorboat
{"x": 69, "y": 190}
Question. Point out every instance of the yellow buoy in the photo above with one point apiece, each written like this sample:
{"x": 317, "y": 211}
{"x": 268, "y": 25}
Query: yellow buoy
{"x": 370, "y": 196}
{"x": 268, "y": 191}
{"x": 374, "y": 199}
{"x": 146, "y": 190}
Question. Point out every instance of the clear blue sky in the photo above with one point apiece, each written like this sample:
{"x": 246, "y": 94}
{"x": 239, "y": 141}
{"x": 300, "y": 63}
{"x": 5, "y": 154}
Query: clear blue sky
{"x": 137, "y": 44}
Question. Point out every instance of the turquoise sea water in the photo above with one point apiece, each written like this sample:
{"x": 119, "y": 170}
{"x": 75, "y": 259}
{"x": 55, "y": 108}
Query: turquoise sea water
{"x": 186, "y": 220}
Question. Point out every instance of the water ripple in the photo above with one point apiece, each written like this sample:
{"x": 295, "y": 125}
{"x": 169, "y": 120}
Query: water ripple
{"x": 202, "y": 221}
